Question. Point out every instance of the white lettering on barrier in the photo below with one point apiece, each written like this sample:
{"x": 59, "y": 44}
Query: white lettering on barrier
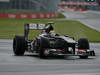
{"x": 23, "y": 16}
{"x": 34, "y": 16}
{"x": 11, "y": 16}
{"x": 41, "y": 15}
{"x": 47, "y": 15}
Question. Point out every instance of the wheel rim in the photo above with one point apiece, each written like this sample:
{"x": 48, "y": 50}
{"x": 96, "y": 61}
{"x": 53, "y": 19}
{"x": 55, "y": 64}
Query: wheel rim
{"x": 46, "y": 52}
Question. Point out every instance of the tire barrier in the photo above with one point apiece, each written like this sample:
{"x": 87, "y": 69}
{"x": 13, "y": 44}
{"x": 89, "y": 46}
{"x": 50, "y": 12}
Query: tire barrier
{"x": 30, "y": 16}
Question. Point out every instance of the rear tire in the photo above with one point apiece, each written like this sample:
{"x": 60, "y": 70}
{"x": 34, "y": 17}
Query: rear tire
{"x": 83, "y": 44}
{"x": 19, "y": 45}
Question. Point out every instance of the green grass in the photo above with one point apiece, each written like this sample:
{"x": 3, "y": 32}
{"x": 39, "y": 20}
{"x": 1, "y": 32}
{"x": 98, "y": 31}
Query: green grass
{"x": 60, "y": 15}
{"x": 10, "y": 27}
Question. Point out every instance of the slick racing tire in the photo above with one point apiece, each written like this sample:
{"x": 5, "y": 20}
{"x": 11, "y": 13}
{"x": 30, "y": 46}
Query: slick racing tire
{"x": 19, "y": 45}
{"x": 83, "y": 44}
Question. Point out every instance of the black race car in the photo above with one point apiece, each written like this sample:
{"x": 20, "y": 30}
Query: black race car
{"x": 49, "y": 44}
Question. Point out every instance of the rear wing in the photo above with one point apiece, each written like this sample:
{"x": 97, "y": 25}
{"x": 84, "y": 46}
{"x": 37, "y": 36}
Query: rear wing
{"x": 35, "y": 26}
{"x": 28, "y": 27}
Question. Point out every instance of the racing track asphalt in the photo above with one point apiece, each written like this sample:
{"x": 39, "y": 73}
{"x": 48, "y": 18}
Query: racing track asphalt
{"x": 30, "y": 64}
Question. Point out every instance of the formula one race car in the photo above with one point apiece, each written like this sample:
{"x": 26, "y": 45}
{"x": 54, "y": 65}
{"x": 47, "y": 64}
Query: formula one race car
{"x": 49, "y": 44}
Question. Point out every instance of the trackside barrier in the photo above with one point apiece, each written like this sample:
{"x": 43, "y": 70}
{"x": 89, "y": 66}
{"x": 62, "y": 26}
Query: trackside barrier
{"x": 30, "y": 16}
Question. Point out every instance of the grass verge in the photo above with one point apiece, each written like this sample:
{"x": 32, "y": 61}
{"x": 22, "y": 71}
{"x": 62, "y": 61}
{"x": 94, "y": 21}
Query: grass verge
{"x": 10, "y": 27}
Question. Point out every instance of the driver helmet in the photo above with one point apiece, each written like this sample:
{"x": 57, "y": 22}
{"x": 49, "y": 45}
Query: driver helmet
{"x": 49, "y": 28}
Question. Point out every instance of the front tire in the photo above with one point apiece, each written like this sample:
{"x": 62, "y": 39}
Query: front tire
{"x": 19, "y": 45}
{"x": 83, "y": 44}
